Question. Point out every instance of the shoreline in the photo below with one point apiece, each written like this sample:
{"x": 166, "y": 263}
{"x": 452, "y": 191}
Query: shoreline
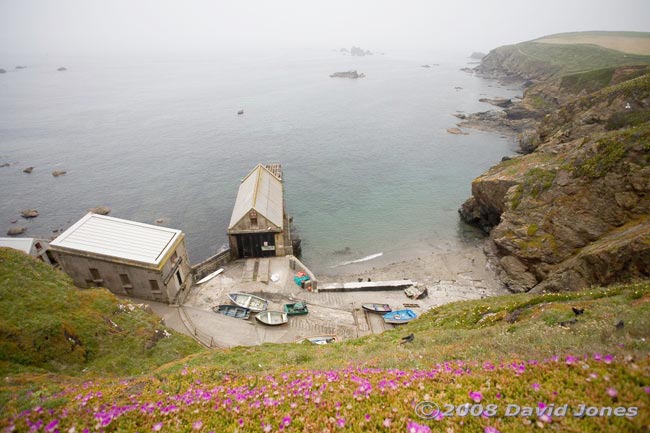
{"x": 466, "y": 267}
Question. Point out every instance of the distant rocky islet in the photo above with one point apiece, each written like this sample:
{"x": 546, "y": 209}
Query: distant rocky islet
{"x": 348, "y": 74}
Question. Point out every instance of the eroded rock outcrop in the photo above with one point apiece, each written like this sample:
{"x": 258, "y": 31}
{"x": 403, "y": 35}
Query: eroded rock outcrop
{"x": 576, "y": 210}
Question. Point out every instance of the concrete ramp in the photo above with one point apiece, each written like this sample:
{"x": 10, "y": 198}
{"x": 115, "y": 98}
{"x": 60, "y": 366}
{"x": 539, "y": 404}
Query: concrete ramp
{"x": 369, "y": 286}
{"x": 263, "y": 271}
{"x": 248, "y": 274}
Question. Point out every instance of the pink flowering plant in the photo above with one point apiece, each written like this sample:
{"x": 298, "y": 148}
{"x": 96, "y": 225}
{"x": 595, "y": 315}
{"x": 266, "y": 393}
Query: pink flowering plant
{"x": 363, "y": 398}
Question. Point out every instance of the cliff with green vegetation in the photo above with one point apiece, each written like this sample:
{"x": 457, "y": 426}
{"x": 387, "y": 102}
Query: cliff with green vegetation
{"x": 575, "y": 210}
{"x": 48, "y": 325}
{"x": 535, "y": 350}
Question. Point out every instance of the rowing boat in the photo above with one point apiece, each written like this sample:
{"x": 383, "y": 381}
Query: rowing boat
{"x": 399, "y": 316}
{"x": 233, "y": 311}
{"x": 252, "y": 302}
{"x": 272, "y": 318}
{"x": 297, "y": 309}
{"x": 377, "y": 308}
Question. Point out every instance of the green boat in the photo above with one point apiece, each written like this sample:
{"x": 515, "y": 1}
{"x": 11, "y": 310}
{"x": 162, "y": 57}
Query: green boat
{"x": 297, "y": 309}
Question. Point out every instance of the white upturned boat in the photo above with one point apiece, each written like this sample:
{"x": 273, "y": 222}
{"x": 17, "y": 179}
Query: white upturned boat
{"x": 209, "y": 276}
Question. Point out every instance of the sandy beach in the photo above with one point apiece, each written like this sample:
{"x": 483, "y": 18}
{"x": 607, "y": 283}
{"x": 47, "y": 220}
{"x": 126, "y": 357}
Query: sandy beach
{"x": 464, "y": 268}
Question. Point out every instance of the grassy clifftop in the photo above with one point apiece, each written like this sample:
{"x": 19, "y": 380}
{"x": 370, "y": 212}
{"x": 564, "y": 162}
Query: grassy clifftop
{"x": 46, "y": 324}
{"x": 478, "y": 356}
{"x": 562, "y": 54}
{"x": 627, "y": 42}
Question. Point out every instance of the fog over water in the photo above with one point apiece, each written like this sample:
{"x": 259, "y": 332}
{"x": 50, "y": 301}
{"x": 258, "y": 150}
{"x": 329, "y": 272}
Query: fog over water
{"x": 146, "y": 27}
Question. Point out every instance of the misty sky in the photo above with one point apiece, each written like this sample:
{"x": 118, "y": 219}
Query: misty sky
{"x": 83, "y": 27}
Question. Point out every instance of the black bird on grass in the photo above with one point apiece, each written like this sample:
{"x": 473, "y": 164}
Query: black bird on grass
{"x": 578, "y": 311}
{"x": 408, "y": 339}
{"x": 620, "y": 324}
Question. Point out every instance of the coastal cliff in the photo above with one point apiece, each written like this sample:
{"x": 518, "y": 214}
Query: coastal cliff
{"x": 574, "y": 210}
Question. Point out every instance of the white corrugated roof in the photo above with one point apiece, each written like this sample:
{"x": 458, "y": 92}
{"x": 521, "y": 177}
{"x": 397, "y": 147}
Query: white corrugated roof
{"x": 119, "y": 238}
{"x": 261, "y": 191}
{"x": 20, "y": 244}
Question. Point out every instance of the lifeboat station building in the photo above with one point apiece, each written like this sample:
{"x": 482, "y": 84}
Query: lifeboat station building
{"x": 127, "y": 257}
{"x": 259, "y": 226}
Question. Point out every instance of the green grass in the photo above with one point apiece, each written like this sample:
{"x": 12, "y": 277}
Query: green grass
{"x": 645, "y": 35}
{"x": 46, "y": 324}
{"x": 589, "y": 81}
{"x": 627, "y": 118}
{"x": 511, "y": 349}
{"x": 578, "y": 57}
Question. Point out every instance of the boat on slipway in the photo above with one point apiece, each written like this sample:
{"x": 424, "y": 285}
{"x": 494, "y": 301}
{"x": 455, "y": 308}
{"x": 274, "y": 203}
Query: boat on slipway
{"x": 297, "y": 309}
{"x": 377, "y": 308}
{"x": 246, "y": 300}
{"x": 233, "y": 311}
{"x": 272, "y": 318}
{"x": 400, "y": 316}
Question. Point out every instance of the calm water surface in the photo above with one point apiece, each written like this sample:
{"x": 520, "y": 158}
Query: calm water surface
{"x": 368, "y": 163}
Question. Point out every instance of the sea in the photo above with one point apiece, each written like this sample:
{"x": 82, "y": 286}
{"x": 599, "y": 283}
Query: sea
{"x": 371, "y": 175}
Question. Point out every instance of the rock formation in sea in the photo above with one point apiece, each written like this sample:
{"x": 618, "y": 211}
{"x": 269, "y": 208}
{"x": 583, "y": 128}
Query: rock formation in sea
{"x": 57, "y": 173}
{"x": 61, "y": 69}
{"x": 456, "y": 131}
{"x": 477, "y": 55}
{"x": 100, "y": 210}
{"x": 29, "y": 213}
{"x": 356, "y": 51}
{"x": 15, "y": 231}
{"x": 28, "y": 170}
{"x": 2, "y": 71}
{"x": 574, "y": 209}
{"x": 347, "y": 74}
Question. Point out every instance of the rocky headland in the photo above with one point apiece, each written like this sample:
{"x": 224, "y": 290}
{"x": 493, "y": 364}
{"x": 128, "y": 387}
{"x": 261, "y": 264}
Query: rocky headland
{"x": 574, "y": 209}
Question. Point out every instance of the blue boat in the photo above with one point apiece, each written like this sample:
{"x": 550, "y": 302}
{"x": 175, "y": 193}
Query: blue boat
{"x": 399, "y": 316}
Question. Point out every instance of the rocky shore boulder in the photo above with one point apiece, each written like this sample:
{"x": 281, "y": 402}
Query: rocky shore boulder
{"x": 456, "y": 131}
{"x": 15, "y": 231}
{"x": 100, "y": 210}
{"x": 498, "y": 102}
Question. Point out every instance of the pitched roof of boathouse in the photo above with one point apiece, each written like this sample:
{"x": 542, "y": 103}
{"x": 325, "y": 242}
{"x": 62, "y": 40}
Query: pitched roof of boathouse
{"x": 261, "y": 190}
{"x": 118, "y": 238}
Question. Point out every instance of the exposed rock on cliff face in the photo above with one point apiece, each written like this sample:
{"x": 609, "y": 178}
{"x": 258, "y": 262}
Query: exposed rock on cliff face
{"x": 575, "y": 211}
